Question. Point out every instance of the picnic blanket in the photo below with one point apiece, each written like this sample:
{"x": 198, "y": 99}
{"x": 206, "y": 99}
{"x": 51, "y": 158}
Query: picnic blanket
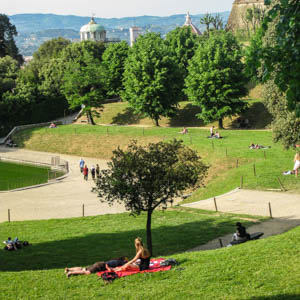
{"x": 154, "y": 267}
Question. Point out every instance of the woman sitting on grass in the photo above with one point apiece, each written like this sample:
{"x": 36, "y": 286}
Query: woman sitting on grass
{"x": 140, "y": 262}
{"x": 96, "y": 267}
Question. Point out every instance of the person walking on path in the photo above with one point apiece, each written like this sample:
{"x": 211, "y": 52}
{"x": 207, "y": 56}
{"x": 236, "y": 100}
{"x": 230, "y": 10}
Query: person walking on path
{"x": 93, "y": 172}
{"x": 81, "y": 164}
{"x": 85, "y": 172}
{"x": 97, "y": 170}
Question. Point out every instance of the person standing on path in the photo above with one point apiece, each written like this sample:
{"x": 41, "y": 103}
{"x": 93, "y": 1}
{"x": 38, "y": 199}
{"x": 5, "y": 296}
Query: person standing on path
{"x": 85, "y": 172}
{"x": 97, "y": 170}
{"x": 81, "y": 164}
{"x": 93, "y": 172}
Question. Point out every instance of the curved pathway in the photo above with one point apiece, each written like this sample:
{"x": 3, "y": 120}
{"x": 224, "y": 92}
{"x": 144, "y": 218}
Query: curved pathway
{"x": 285, "y": 210}
{"x": 63, "y": 199}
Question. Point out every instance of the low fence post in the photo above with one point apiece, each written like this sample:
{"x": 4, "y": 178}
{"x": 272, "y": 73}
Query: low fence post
{"x": 8, "y": 215}
{"x": 226, "y": 152}
{"x": 216, "y": 207}
{"x": 270, "y": 210}
{"x": 237, "y": 163}
{"x": 83, "y": 210}
{"x": 221, "y": 243}
{"x": 282, "y": 187}
{"x": 242, "y": 181}
{"x": 254, "y": 170}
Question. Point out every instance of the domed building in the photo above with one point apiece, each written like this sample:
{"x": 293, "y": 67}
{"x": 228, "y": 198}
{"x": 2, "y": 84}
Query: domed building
{"x": 93, "y": 32}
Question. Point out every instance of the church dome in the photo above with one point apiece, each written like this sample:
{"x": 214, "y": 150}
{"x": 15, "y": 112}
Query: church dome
{"x": 92, "y": 26}
{"x": 92, "y": 32}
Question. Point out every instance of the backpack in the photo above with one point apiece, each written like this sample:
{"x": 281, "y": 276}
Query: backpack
{"x": 109, "y": 277}
{"x": 169, "y": 262}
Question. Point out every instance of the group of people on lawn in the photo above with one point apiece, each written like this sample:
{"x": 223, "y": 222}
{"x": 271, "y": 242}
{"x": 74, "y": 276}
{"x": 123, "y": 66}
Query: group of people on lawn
{"x": 140, "y": 262}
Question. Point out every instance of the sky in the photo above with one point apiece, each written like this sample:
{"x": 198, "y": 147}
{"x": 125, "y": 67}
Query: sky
{"x": 114, "y": 8}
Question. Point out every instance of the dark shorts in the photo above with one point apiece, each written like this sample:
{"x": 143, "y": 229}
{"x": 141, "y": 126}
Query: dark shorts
{"x": 96, "y": 267}
{"x": 144, "y": 265}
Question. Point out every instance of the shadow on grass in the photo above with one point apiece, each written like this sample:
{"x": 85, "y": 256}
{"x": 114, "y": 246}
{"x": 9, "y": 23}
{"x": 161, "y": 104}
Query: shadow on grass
{"x": 278, "y": 297}
{"x": 128, "y": 117}
{"x": 187, "y": 117}
{"x": 258, "y": 116}
{"x": 83, "y": 251}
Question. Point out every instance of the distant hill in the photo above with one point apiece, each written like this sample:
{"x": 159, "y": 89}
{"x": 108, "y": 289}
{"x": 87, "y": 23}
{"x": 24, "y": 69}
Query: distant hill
{"x": 34, "y": 29}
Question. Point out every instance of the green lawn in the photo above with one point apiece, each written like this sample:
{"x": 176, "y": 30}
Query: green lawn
{"x": 264, "y": 269}
{"x": 14, "y": 176}
{"x": 229, "y": 158}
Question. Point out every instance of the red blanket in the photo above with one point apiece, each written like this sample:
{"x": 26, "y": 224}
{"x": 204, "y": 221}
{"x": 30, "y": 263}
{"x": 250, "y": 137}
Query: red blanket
{"x": 154, "y": 267}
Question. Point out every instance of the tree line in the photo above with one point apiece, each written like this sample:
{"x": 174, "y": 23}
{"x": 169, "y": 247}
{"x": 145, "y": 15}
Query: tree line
{"x": 210, "y": 70}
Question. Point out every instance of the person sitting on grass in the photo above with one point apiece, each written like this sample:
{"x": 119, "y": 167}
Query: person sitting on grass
{"x": 240, "y": 234}
{"x": 52, "y": 125}
{"x": 140, "y": 262}
{"x": 96, "y": 267}
{"x": 217, "y": 135}
{"x": 184, "y": 130}
{"x": 10, "y": 244}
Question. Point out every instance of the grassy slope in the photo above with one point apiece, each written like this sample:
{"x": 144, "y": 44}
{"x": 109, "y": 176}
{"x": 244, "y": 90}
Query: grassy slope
{"x": 264, "y": 269}
{"x": 17, "y": 175}
{"x": 99, "y": 141}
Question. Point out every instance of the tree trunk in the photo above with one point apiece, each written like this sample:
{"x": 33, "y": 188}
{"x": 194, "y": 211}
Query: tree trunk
{"x": 156, "y": 122}
{"x": 149, "y": 236}
{"x": 221, "y": 123}
{"x": 90, "y": 117}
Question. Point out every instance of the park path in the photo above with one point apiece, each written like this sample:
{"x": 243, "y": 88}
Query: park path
{"x": 63, "y": 199}
{"x": 285, "y": 209}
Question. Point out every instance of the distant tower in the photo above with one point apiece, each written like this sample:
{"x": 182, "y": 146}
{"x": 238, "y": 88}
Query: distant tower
{"x": 135, "y": 32}
{"x": 188, "y": 22}
{"x": 92, "y": 32}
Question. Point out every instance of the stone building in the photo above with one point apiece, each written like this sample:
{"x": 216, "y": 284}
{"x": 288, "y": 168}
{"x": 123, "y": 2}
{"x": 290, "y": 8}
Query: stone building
{"x": 238, "y": 11}
{"x": 135, "y": 32}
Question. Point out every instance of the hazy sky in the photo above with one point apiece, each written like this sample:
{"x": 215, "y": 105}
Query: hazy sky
{"x": 114, "y": 8}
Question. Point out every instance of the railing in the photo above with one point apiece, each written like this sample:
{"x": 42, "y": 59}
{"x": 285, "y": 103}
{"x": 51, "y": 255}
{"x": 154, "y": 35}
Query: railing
{"x": 57, "y": 168}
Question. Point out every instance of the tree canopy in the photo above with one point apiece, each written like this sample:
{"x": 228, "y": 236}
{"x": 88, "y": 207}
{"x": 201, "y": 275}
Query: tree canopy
{"x": 114, "y": 58}
{"x": 216, "y": 79}
{"x": 281, "y": 58}
{"x": 7, "y": 42}
{"x": 144, "y": 178}
{"x": 151, "y": 78}
{"x": 182, "y": 44}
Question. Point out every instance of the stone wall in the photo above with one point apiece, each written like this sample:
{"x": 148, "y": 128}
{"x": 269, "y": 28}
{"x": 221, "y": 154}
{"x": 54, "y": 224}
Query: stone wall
{"x": 238, "y": 10}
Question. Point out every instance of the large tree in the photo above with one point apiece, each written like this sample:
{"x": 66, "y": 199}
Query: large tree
{"x": 113, "y": 60}
{"x": 7, "y": 42}
{"x": 84, "y": 80}
{"x": 182, "y": 44}
{"x": 144, "y": 178}
{"x": 151, "y": 78}
{"x": 216, "y": 80}
{"x": 280, "y": 57}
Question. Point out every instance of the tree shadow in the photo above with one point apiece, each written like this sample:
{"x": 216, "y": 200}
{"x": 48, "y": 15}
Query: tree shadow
{"x": 258, "y": 116}
{"x": 278, "y": 297}
{"x": 127, "y": 117}
{"x": 83, "y": 251}
{"x": 187, "y": 117}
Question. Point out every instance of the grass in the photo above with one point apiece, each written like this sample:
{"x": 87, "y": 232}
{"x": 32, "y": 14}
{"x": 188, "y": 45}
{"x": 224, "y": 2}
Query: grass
{"x": 121, "y": 113}
{"x": 229, "y": 158}
{"x": 13, "y": 176}
{"x": 36, "y": 272}
{"x": 263, "y": 269}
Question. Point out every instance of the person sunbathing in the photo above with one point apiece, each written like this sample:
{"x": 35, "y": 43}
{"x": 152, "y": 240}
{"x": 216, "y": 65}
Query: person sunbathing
{"x": 184, "y": 130}
{"x": 140, "y": 262}
{"x": 96, "y": 267}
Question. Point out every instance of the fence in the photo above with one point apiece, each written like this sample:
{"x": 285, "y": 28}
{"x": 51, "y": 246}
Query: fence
{"x": 55, "y": 169}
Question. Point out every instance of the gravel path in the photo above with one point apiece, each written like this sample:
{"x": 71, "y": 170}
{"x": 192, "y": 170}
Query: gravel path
{"x": 63, "y": 199}
{"x": 285, "y": 210}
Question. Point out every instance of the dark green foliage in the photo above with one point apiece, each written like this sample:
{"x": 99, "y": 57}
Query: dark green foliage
{"x": 114, "y": 58}
{"x": 151, "y": 78}
{"x": 182, "y": 44}
{"x": 83, "y": 80}
{"x": 147, "y": 177}
{"x": 216, "y": 79}
{"x": 281, "y": 57}
{"x": 207, "y": 20}
{"x": 7, "y": 42}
